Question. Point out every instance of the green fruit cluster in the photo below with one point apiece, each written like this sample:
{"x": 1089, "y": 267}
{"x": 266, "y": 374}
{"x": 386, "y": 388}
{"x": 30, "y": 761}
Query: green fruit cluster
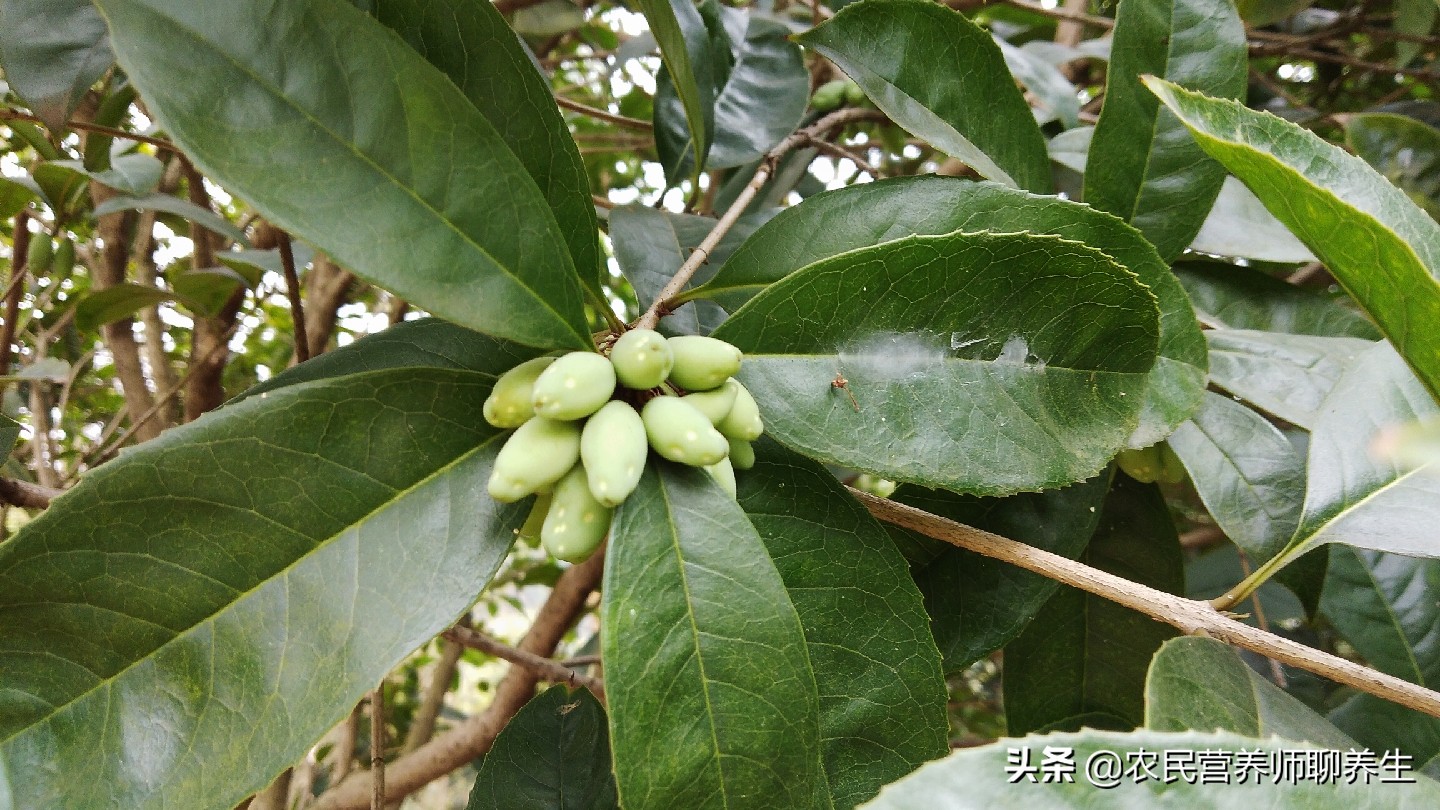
{"x": 581, "y": 444}
{"x": 1151, "y": 464}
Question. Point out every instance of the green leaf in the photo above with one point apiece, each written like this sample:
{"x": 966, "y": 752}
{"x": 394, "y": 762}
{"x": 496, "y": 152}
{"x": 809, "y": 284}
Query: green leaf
{"x": 206, "y": 219}
{"x": 1286, "y": 375}
{"x": 9, "y": 433}
{"x": 116, "y": 303}
{"x": 1201, "y": 683}
{"x": 1239, "y": 225}
{"x": 978, "y": 604}
{"x": 1417, "y": 18}
{"x": 206, "y": 291}
{"x": 45, "y": 368}
{"x": 547, "y": 19}
{"x": 135, "y": 174}
{"x": 1145, "y": 168}
{"x": 987, "y": 777}
{"x": 1405, "y": 151}
{"x": 552, "y": 755}
{"x": 1382, "y": 248}
{"x": 983, "y": 363}
{"x": 339, "y": 133}
{"x": 470, "y": 43}
{"x": 882, "y": 697}
{"x": 254, "y": 264}
{"x": 1260, "y": 13}
{"x": 1055, "y": 94}
{"x": 941, "y": 77}
{"x": 862, "y": 216}
{"x": 51, "y": 51}
{"x": 709, "y": 684}
{"x": 687, "y": 52}
{"x": 14, "y": 196}
{"x": 1381, "y": 725}
{"x": 1249, "y": 476}
{"x": 1228, "y": 296}
{"x": 762, "y": 101}
{"x": 1084, "y": 655}
{"x": 285, "y": 532}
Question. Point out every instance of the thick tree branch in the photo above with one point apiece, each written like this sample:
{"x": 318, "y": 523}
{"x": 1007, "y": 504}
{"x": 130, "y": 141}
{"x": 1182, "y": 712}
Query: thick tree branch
{"x": 204, "y": 391}
{"x": 26, "y": 494}
{"x": 1190, "y": 616}
{"x": 545, "y": 669}
{"x": 472, "y": 738}
{"x": 328, "y": 288}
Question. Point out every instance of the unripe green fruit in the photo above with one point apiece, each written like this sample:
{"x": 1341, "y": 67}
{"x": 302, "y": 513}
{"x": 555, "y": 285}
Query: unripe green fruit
{"x": 539, "y": 452}
{"x": 702, "y": 363}
{"x": 853, "y": 93}
{"x": 642, "y": 359}
{"x": 724, "y": 475}
{"x": 715, "y": 404}
{"x": 681, "y": 433}
{"x": 1144, "y": 464}
{"x": 509, "y": 404}
{"x": 63, "y": 262}
{"x": 742, "y": 455}
{"x": 576, "y": 522}
{"x": 530, "y": 532}
{"x": 1172, "y": 470}
{"x": 613, "y": 448}
{"x": 574, "y": 386}
{"x": 828, "y": 96}
{"x": 37, "y": 259}
{"x": 743, "y": 421}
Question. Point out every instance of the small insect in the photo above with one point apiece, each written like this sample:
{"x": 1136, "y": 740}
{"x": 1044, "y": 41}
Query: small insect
{"x": 840, "y": 383}
{"x": 569, "y": 707}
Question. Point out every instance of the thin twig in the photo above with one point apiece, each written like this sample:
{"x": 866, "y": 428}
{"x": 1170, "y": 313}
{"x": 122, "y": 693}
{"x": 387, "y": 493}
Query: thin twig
{"x": 1191, "y": 616}
{"x": 548, "y": 669}
{"x": 839, "y": 151}
{"x": 292, "y": 291}
{"x": 604, "y": 115}
{"x": 16, "y": 115}
{"x": 26, "y": 494}
{"x": 377, "y": 748}
{"x": 581, "y": 661}
{"x": 1062, "y": 13}
{"x": 1342, "y": 59}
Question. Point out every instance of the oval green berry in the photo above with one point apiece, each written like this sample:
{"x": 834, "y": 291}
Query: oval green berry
{"x": 702, "y": 363}
{"x": 724, "y": 475}
{"x": 576, "y": 522}
{"x": 1144, "y": 464}
{"x": 64, "y": 259}
{"x": 681, "y": 433}
{"x": 536, "y": 456}
{"x": 742, "y": 455}
{"x": 1172, "y": 470}
{"x": 574, "y": 386}
{"x": 715, "y": 404}
{"x": 42, "y": 250}
{"x": 642, "y": 359}
{"x": 509, "y": 404}
{"x": 743, "y": 421}
{"x": 828, "y": 96}
{"x": 613, "y": 447}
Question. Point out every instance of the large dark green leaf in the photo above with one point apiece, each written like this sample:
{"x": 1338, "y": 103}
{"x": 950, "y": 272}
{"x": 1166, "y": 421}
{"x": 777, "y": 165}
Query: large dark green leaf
{"x": 115, "y": 303}
{"x": 712, "y": 699}
{"x": 1286, "y": 375}
{"x": 987, "y": 777}
{"x": 689, "y": 54}
{"x": 983, "y": 363}
{"x": 942, "y": 77}
{"x": 1055, "y": 94}
{"x": 761, "y": 102}
{"x": 1228, "y": 296}
{"x": 1201, "y": 683}
{"x": 1084, "y": 656}
{"x": 1144, "y": 167}
{"x": 553, "y": 755}
{"x": 978, "y": 604}
{"x": 51, "y": 51}
{"x": 244, "y": 578}
{"x": 1405, "y": 151}
{"x": 470, "y": 43}
{"x": 1382, "y": 725}
{"x": 882, "y": 697}
{"x": 203, "y": 217}
{"x": 861, "y": 216}
{"x": 1247, "y": 473}
{"x": 135, "y": 174}
{"x": 338, "y": 132}
{"x": 1383, "y": 249}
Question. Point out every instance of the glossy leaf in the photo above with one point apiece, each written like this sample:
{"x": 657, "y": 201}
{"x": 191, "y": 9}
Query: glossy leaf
{"x": 1382, "y": 248}
{"x": 552, "y": 755}
{"x": 206, "y": 291}
{"x": 14, "y": 196}
{"x": 1145, "y": 168}
{"x": 987, "y": 776}
{"x": 205, "y": 218}
{"x": 1202, "y": 683}
{"x": 689, "y": 58}
{"x": 1239, "y": 225}
{"x": 51, "y": 51}
{"x": 1405, "y": 151}
{"x": 711, "y": 695}
{"x": 116, "y": 303}
{"x": 978, "y": 604}
{"x": 1227, "y": 296}
{"x": 283, "y": 533}
{"x": 338, "y": 132}
{"x": 882, "y": 697}
{"x": 135, "y": 174}
{"x": 1382, "y": 725}
{"x": 470, "y": 43}
{"x": 1286, "y": 375}
{"x": 1087, "y": 656}
{"x": 254, "y": 264}
{"x": 940, "y": 76}
{"x": 1056, "y": 95}
{"x": 1249, "y": 476}
{"x": 858, "y": 217}
{"x": 982, "y": 363}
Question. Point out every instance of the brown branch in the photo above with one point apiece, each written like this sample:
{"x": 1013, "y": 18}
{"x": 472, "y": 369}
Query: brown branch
{"x": 16, "y": 115}
{"x": 840, "y": 152}
{"x": 604, "y": 115}
{"x": 422, "y": 725}
{"x": 292, "y": 292}
{"x": 545, "y": 669}
{"x": 26, "y": 494}
{"x": 19, "y": 252}
{"x": 1066, "y": 13}
{"x": 162, "y": 370}
{"x": 1191, "y": 616}
{"x": 1069, "y": 32}
{"x": 473, "y": 737}
{"x": 329, "y": 287}
{"x": 377, "y": 748}
{"x": 204, "y": 389}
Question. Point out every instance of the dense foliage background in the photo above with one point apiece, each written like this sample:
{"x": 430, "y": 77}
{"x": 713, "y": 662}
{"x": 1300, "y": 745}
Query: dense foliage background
{"x": 264, "y": 260}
